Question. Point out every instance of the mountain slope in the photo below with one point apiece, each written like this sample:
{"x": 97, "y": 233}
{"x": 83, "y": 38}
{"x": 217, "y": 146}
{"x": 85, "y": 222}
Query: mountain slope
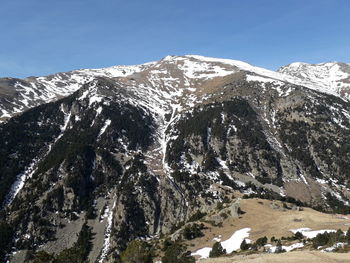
{"x": 137, "y": 154}
{"x": 332, "y": 77}
{"x": 18, "y": 95}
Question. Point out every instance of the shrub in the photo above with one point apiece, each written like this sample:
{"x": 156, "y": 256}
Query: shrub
{"x": 167, "y": 243}
{"x": 219, "y": 206}
{"x": 224, "y": 215}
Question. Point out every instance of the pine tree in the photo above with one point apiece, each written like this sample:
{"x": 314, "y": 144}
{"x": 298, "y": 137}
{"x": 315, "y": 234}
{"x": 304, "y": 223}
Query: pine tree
{"x": 176, "y": 253}
{"x": 244, "y": 245}
{"x": 348, "y": 236}
{"x": 217, "y": 250}
{"x": 298, "y": 235}
{"x": 137, "y": 252}
{"x": 260, "y": 242}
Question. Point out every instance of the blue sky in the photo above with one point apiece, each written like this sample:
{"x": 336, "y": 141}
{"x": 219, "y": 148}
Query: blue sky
{"x": 39, "y": 37}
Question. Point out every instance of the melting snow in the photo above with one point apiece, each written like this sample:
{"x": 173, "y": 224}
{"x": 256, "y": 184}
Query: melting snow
{"x": 332, "y": 248}
{"x": 258, "y": 78}
{"x": 231, "y": 244}
{"x": 203, "y": 252}
{"x": 322, "y": 77}
{"x": 84, "y": 95}
{"x": 31, "y": 168}
{"x": 234, "y": 242}
{"x": 307, "y": 232}
{"x": 108, "y": 232}
{"x": 272, "y": 249}
{"x": 303, "y": 178}
{"x": 217, "y": 239}
{"x": 103, "y": 129}
{"x": 20, "y": 181}
{"x": 326, "y": 77}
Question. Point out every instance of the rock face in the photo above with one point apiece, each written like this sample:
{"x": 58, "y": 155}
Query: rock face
{"x": 137, "y": 150}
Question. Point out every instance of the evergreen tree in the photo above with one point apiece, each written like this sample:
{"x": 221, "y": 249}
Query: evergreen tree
{"x": 193, "y": 231}
{"x": 177, "y": 253}
{"x": 6, "y": 233}
{"x": 298, "y": 235}
{"x": 244, "y": 245}
{"x": 261, "y": 241}
{"x": 80, "y": 250}
{"x": 137, "y": 252}
{"x": 43, "y": 257}
{"x": 217, "y": 250}
{"x": 348, "y": 236}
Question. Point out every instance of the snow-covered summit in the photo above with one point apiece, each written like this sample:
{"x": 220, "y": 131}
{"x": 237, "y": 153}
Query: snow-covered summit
{"x": 168, "y": 79}
{"x": 332, "y": 77}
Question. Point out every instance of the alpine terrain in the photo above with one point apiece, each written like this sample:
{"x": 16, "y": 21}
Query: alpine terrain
{"x": 97, "y": 165}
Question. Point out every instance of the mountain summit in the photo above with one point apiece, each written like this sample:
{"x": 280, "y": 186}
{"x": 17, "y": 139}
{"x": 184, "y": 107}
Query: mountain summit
{"x": 18, "y": 95}
{"x": 331, "y": 77}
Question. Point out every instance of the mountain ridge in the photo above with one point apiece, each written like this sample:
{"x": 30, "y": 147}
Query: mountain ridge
{"x": 21, "y": 94}
{"x": 136, "y": 156}
{"x": 334, "y": 75}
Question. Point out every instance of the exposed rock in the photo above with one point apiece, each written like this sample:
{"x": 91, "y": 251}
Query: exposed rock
{"x": 136, "y": 155}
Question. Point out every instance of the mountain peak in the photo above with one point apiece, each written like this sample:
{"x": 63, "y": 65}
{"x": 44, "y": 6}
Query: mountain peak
{"x": 333, "y": 77}
{"x": 170, "y": 74}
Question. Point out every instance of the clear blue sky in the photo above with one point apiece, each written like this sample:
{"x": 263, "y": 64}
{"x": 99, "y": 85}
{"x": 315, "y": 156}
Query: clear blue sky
{"x": 39, "y": 37}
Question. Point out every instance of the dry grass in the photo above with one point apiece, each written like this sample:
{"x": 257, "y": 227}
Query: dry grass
{"x": 291, "y": 257}
{"x": 265, "y": 221}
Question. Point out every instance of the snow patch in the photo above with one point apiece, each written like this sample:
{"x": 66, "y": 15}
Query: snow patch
{"x": 20, "y": 181}
{"x": 202, "y": 253}
{"x": 103, "y": 129}
{"x": 234, "y": 242}
{"x": 334, "y": 247}
{"x": 272, "y": 249}
{"x": 231, "y": 244}
{"x": 108, "y": 232}
{"x": 307, "y": 232}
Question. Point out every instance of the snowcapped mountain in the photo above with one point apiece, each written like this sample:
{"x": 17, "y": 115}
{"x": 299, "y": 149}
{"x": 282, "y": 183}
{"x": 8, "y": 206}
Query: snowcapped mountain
{"x": 135, "y": 151}
{"x": 18, "y": 95}
{"x": 172, "y": 72}
{"x": 331, "y": 77}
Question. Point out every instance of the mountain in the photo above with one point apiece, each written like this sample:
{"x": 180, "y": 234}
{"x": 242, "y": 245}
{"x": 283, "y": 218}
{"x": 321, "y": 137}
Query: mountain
{"x": 133, "y": 152}
{"x": 331, "y": 77}
{"x": 18, "y": 95}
